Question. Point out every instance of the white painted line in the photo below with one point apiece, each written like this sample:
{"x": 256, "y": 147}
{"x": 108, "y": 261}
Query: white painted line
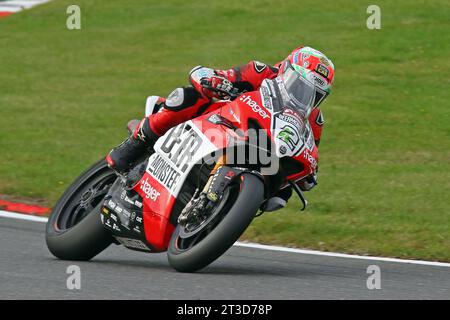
{"x": 338, "y": 255}
{"x": 13, "y": 215}
{"x": 22, "y": 4}
{"x": 12, "y": 4}
{"x": 9, "y": 8}
{"x": 16, "y": 6}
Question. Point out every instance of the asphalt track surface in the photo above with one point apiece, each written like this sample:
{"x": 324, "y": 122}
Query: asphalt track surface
{"x": 29, "y": 271}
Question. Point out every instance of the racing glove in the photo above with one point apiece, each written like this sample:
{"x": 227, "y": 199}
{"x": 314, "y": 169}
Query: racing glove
{"x": 217, "y": 87}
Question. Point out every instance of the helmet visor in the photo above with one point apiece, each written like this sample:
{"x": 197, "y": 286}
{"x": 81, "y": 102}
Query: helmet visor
{"x": 299, "y": 93}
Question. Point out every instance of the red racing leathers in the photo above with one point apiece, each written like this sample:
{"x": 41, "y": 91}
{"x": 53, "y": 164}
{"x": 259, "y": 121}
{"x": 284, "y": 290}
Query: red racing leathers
{"x": 245, "y": 78}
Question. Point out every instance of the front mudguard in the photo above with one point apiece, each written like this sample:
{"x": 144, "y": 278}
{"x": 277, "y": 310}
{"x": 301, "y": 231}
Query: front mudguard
{"x": 224, "y": 176}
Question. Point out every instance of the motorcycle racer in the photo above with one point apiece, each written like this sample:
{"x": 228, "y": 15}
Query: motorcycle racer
{"x": 209, "y": 86}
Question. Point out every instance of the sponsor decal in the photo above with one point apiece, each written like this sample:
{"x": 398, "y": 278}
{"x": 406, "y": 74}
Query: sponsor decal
{"x": 128, "y": 200}
{"x": 234, "y": 115}
{"x": 150, "y": 192}
{"x": 289, "y": 135}
{"x": 254, "y": 105}
{"x": 309, "y": 138}
{"x": 137, "y": 229}
{"x": 215, "y": 118}
{"x": 230, "y": 175}
{"x": 139, "y": 219}
{"x": 290, "y": 119}
{"x": 181, "y": 145}
{"x": 178, "y": 150}
{"x": 138, "y": 204}
{"x": 213, "y": 196}
{"x": 113, "y": 216}
{"x": 294, "y": 114}
{"x": 322, "y": 70}
{"x": 259, "y": 66}
{"x": 164, "y": 172}
{"x": 272, "y": 88}
{"x": 324, "y": 61}
{"x": 310, "y": 159}
{"x": 111, "y": 204}
{"x": 126, "y": 213}
{"x": 265, "y": 95}
{"x": 283, "y": 150}
{"x": 320, "y": 81}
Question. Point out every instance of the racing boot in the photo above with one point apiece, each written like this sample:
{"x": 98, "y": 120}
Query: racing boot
{"x": 126, "y": 155}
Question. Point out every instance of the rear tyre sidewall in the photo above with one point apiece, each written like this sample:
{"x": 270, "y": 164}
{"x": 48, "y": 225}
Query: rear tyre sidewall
{"x": 88, "y": 237}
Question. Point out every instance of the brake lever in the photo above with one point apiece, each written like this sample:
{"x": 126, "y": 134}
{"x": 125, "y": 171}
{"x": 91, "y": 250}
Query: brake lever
{"x": 300, "y": 194}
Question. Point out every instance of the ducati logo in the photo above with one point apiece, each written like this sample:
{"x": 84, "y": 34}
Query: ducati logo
{"x": 320, "y": 120}
{"x": 259, "y": 66}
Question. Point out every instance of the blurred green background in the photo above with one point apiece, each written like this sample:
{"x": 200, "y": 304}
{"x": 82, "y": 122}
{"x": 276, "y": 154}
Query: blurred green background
{"x": 65, "y": 97}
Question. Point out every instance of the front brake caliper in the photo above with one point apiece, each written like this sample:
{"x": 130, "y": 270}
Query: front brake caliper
{"x": 220, "y": 181}
{"x": 206, "y": 200}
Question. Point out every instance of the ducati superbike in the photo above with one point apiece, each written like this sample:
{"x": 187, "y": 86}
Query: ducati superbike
{"x": 196, "y": 193}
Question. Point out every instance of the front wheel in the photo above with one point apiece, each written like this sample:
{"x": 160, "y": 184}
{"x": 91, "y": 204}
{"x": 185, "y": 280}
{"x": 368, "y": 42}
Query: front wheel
{"x": 238, "y": 205}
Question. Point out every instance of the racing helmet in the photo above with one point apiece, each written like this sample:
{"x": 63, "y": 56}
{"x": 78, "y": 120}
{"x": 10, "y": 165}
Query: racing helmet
{"x": 315, "y": 67}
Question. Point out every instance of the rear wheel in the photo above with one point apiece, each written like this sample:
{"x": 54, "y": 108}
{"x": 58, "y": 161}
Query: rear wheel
{"x": 74, "y": 230}
{"x": 191, "y": 250}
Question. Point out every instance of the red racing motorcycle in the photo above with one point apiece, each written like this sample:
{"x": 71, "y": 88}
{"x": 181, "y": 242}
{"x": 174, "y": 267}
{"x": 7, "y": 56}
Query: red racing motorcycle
{"x": 204, "y": 182}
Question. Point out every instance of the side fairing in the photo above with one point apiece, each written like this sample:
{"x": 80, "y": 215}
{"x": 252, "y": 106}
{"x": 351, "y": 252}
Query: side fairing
{"x": 175, "y": 154}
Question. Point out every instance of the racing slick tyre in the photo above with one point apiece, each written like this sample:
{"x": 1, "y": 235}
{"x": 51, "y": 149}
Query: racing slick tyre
{"x": 74, "y": 229}
{"x": 236, "y": 211}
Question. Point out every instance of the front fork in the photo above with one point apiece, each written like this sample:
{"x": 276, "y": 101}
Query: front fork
{"x": 210, "y": 194}
{"x": 214, "y": 191}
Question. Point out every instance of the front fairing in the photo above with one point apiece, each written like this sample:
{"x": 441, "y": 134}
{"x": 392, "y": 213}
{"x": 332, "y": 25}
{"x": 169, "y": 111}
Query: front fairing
{"x": 290, "y": 129}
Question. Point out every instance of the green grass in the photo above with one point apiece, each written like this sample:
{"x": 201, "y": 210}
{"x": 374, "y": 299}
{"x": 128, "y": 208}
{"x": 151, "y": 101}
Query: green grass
{"x": 384, "y": 181}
